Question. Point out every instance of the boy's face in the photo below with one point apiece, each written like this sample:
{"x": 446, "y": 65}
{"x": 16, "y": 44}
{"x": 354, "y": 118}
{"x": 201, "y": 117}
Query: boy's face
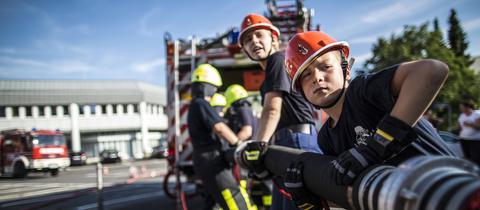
{"x": 323, "y": 79}
{"x": 257, "y": 43}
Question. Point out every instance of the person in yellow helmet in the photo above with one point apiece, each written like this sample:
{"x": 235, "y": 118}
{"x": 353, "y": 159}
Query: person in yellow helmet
{"x": 240, "y": 119}
{"x": 239, "y": 113}
{"x": 218, "y": 102}
{"x": 204, "y": 125}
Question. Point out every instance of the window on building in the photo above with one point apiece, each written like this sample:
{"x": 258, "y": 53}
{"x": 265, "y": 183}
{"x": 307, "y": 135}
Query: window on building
{"x": 66, "y": 110}
{"x": 41, "y": 111}
{"x": 28, "y": 110}
{"x": 135, "y": 108}
{"x": 92, "y": 108}
{"x": 54, "y": 110}
{"x": 2, "y": 111}
{"x": 15, "y": 111}
{"x": 104, "y": 109}
{"x": 81, "y": 109}
{"x": 114, "y": 109}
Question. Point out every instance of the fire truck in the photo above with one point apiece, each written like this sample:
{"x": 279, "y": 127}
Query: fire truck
{"x": 23, "y": 151}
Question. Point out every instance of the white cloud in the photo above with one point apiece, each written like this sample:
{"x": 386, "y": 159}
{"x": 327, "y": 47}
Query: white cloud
{"x": 59, "y": 66}
{"x": 71, "y": 66}
{"x": 15, "y": 62}
{"x": 144, "y": 30}
{"x": 472, "y": 25}
{"x": 359, "y": 60}
{"x": 396, "y": 11}
{"x": 52, "y": 24}
{"x": 364, "y": 40}
{"x": 63, "y": 47}
{"x": 389, "y": 17}
{"x": 148, "y": 66}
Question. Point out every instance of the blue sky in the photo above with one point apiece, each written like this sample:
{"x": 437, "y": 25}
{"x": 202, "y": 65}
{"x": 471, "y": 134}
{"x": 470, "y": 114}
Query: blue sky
{"x": 123, "y": 39}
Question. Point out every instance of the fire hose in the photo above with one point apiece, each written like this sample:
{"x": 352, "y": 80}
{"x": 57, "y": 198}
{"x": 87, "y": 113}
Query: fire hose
{"x": 423, "y": 182}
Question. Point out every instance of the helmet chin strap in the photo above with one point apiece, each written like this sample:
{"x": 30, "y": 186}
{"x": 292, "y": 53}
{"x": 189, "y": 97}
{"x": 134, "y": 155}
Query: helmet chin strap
{"x": 262, "y": 59}
{"x": 344, "y": 71}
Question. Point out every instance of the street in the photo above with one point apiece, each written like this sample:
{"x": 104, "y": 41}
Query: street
{"x": 75, "y": 188}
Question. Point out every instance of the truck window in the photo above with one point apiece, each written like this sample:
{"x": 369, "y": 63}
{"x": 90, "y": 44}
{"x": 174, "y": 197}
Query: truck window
{"x": 49, "y": 140}
{"x": 9, "y": 145}
{"x": 26, "y": 142}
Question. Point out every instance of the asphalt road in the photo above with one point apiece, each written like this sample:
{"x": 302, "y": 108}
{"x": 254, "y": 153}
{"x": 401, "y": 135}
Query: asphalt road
{"x": 76, "y": 188}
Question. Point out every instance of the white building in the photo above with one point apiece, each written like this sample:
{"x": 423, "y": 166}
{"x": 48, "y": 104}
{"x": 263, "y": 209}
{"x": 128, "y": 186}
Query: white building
{"x": 95, "y": 115}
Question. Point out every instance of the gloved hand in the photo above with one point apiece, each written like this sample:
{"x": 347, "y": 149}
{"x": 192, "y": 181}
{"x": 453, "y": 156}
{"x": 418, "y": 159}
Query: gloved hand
{"x": 352, "y": 162}
{"x": 254, "y": 155}
{"x": 391, "y": 137}
{"x": 293, "y": 182}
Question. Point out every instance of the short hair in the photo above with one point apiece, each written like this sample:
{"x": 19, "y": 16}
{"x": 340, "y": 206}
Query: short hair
{"x": 468, "y": 103}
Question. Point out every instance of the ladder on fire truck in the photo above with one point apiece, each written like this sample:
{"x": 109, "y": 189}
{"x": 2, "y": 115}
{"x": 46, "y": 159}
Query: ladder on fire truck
{"x": 290, "y": 16}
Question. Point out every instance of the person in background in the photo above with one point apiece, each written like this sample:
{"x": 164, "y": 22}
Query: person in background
{"x": 239, "y": 113}
{"x": 207, "y": 130}
{"x": 469, "y": 121}
{"x": 286, "y": 118}
{"x": 218, "y": 102}
{"x": 240, "y": 119}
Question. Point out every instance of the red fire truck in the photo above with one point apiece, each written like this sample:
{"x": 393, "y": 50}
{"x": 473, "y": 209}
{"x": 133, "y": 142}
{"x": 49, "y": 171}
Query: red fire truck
{"x": 32, "y": 151}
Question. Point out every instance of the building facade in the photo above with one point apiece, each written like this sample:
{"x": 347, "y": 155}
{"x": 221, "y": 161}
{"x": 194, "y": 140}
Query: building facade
{"x": 95, "y": 115}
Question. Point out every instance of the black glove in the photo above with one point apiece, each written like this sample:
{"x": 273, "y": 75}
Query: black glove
{"x": 293, "y": 182}
{"x": 254, "y": 155}
{"x": 352, "y": 162}
{"x": 391, "y": 137}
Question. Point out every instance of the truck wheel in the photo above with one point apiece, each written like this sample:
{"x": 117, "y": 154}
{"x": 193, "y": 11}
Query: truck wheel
{"x": 19, "y": 170}
{"x": 54, "y": 172}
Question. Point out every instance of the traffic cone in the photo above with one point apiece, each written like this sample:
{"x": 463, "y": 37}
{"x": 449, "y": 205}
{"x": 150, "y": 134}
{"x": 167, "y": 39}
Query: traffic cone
{"x": 144, "y": 171}
{"x": 105, "y": 170}
{"x": 133, "y": 172}
{"x": 153, "y": 173}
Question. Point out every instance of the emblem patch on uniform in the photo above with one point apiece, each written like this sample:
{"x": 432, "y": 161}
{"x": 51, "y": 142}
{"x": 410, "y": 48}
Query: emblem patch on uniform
{"x": 302, "y": 49}
{"x": 362, "y": 135}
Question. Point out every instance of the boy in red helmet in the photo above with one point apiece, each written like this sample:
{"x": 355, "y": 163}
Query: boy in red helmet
{"x": 286, "y": 116}
{"x": 372, "y": 117}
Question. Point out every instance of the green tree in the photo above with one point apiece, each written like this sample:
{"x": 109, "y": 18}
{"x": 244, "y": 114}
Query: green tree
{"x": 408, "y": 46}
{"x": 418, "y": 42}
{"x": 457, "y": 38}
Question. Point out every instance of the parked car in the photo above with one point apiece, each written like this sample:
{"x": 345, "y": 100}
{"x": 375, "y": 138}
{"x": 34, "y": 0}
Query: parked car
{"x": 78, "y": 158}
{"x": 109, "y": 156}
{"x": 160, "y": 151}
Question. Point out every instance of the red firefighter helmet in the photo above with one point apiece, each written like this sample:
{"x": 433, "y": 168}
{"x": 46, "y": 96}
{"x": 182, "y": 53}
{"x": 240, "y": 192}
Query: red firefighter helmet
{"x": 254, "y": 21}
{"x": 306, "y": 47}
